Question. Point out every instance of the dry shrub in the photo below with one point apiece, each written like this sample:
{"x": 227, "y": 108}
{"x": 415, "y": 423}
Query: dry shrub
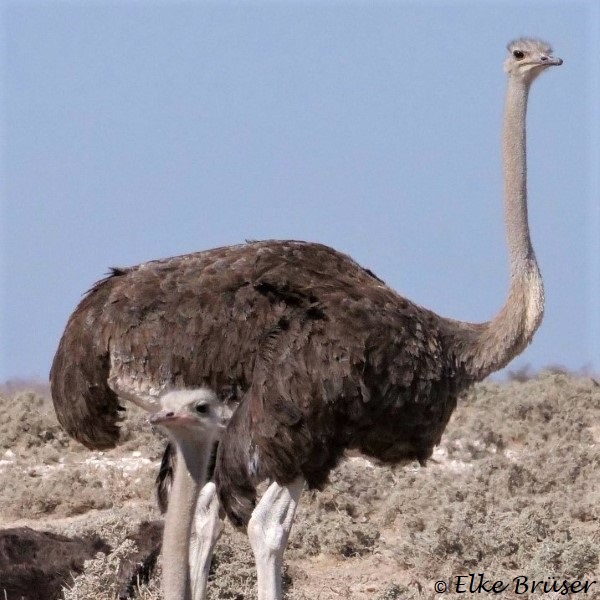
{"x": 527, "y": 504}
{"x": 29, "y": 423}
{"x": 335, "y": 520}
{"x": 233, "y": 576}
{"x": 102, "y": 575}
{"x": 398, "y": 592}
{"x": 51, "y": 474}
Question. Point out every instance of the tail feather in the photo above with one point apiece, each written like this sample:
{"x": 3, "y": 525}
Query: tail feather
{"x": 85, "y": 406}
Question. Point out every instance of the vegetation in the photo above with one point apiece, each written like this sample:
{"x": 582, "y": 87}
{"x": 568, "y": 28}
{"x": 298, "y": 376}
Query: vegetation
{"x": 513, "y": 490}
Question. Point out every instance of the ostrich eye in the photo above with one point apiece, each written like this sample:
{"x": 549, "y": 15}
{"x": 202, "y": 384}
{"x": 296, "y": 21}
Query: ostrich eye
{"x": 518, "y": 54}
{"x": 201, "y": 409}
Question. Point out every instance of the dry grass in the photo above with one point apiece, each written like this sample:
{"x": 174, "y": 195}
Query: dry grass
{"x": 52, "y": 475}
{"x": 514, "y": 489}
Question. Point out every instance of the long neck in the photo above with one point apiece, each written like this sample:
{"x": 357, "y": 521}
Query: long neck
{"x": 190, "y": 473}
{"x": 494, "y": 344}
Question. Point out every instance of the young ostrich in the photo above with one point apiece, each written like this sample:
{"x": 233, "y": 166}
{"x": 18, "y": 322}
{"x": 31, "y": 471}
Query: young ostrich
{"x": 321, "y": 353}
{"x": 191, "y": 420}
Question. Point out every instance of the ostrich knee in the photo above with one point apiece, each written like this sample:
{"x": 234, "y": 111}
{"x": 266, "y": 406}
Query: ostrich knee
{"x": 268, "y": 532}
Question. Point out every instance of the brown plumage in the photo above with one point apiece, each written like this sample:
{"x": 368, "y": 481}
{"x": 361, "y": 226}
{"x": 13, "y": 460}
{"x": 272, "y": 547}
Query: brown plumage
{"x": 216, "y": 319}
{"x": 36, "y": 565}
{"x": 322, "y": 355}
{"x": 276, "y": 316}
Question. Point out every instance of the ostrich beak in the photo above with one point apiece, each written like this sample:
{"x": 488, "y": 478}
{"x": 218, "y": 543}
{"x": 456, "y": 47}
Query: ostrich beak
{"x": 164, "y": 417}
{"x": 551, "y": 61}
{"x": 169, "y": 418}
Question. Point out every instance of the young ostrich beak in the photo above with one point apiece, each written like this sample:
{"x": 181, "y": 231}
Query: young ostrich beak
{"x": 168, "y": 418}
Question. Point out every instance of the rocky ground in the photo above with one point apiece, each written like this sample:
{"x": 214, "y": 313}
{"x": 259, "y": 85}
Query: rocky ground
{"x": 512, "y": 492}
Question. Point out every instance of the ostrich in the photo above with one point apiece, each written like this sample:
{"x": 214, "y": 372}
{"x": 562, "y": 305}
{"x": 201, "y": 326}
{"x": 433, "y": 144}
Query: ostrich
{"x": 190, "y": 418}
{"x": 317, "y": 353}
{"x": 36, "y": 565}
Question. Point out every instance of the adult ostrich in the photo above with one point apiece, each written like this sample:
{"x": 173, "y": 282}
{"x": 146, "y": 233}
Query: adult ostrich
{"x": 324, "y": 355}
{"x": 372, "y": 372}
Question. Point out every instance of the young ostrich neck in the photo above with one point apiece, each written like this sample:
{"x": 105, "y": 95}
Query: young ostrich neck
{"x": 497, "y": 342}
{"x": 190, "y": 472}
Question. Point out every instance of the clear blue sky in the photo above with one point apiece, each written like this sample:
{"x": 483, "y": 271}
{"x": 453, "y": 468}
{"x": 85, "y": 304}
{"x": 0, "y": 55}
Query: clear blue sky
{"x": 138, "y": 130}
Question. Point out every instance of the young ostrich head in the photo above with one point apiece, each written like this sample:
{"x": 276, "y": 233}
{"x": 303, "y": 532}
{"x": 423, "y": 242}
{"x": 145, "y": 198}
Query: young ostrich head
{"x": 528, "y": 58}
{"x": 188, "y": 416}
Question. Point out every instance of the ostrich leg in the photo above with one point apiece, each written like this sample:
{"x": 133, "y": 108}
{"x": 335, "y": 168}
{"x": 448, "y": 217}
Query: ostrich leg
{"x": 268, "y": 531}
{"x": 208, "y": 527}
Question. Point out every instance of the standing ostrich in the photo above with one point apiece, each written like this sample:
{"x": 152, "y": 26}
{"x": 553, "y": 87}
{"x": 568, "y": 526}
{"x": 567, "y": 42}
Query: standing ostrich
{"x": 190, "y": 418}
{"x": 322, "y": 355}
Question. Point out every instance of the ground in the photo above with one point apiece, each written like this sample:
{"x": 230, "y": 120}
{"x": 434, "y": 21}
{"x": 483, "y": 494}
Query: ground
{"x": 512, "y": 491}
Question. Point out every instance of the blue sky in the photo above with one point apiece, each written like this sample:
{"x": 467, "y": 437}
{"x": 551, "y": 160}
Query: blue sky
{"x": 138, "y": 130}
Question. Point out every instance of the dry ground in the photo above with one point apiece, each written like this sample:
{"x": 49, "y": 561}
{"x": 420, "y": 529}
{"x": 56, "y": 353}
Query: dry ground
{"x": 514, "y": 490}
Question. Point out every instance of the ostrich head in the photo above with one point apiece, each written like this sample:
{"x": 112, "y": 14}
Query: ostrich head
{"x": 528, "y": 58}
{"x": 187, "y": 412}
